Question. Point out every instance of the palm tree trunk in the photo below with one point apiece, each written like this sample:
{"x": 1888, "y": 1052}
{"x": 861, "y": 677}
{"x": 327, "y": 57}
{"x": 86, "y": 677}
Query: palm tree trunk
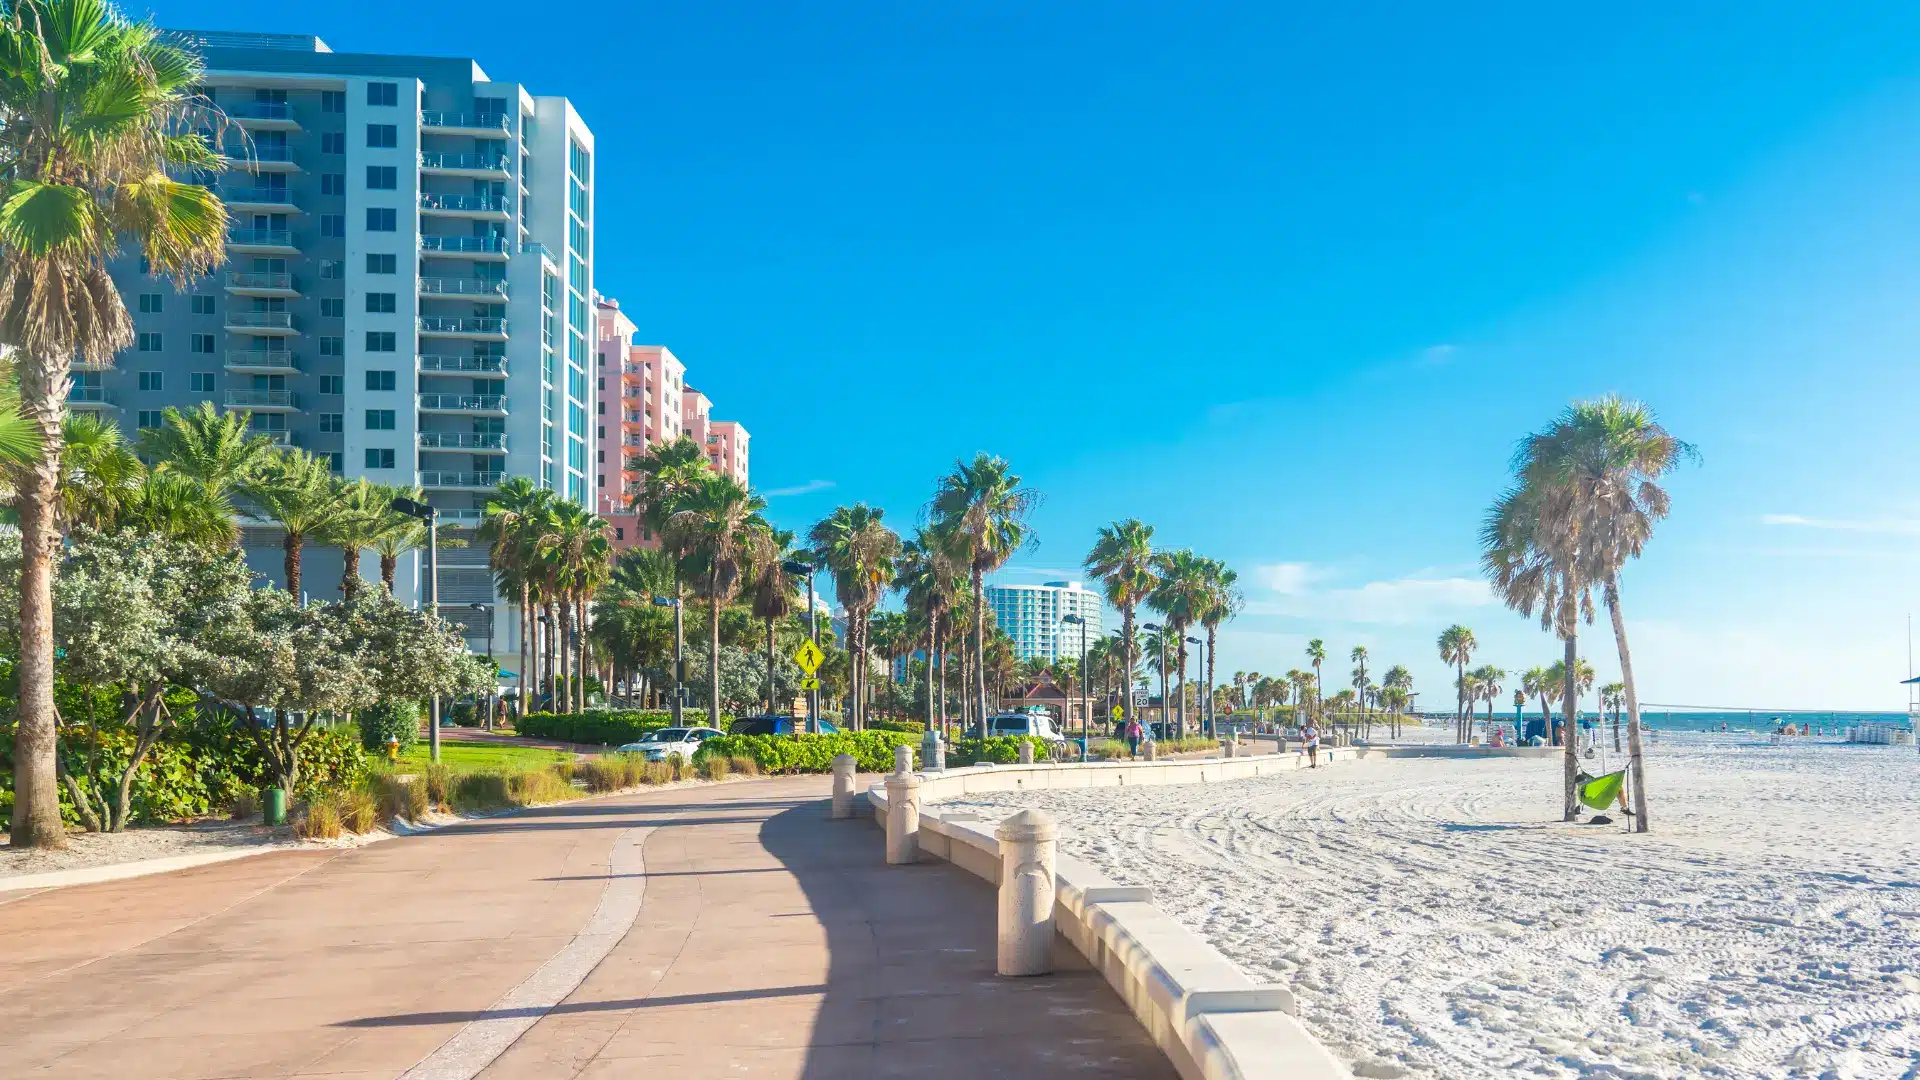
{"x": 564, "y": 612}
{"x": 1636, "y": 770}
{"x": 1213, "y": 726}
{"x": 940, "y": 650}
{"x": 713, "y": 644}
{"x": 349, "y": 571}
{"x": 1181, "y": 694}
{"x": 1126, "y": 659}
{"x": 36, "y": 808}
{"x": 526, "y": 643}
{"x": 1567, "y": 705}
{"x": 1460, "y": 710}
{"x": 389, "y": 566}
{"x": 980, "y": 646}
{"x": 291, "y": 563}
{"x": 770, "y": 707}
{"x": 933, "y": 625}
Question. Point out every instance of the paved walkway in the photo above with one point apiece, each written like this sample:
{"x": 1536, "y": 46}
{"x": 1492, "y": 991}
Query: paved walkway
{"x": 725, "y": 931}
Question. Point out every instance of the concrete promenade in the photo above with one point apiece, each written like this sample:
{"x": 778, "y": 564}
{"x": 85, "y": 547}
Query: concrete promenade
{"x": 724, "y": 931}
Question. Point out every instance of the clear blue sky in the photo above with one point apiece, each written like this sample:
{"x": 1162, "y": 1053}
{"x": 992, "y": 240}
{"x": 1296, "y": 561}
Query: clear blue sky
{"x": 1288, "y": 285}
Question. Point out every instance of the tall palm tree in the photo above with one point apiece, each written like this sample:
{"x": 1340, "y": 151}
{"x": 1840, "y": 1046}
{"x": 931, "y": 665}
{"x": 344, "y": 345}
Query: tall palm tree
{"x": 364, "y": 508}
{"x": 1612, "y": 697}
{"x": 1489, "y": 677}
{"x": 399, "y": 534}
{"x": 933, "y": 585}
{"x": 1317, "y": 653}
{"x": 1122, "y": 560}
{"x": 1157, "y": 644}
{"x": 981, "y": 511}
{"x": 1398, "y": 682}
{"x": 1597, "y": 468}
{"x": 1182, "y": 596}
{"x": 776, "y": 593}
{"x": 859, "y": 550}
{"x": 220, "y": 450}
{"x": 299, "y": 491}
{"x": 1456, "y": 646}
{"x": 713, "y": 524}
{"x": 1224, "y": 601}
{"x": 509, "y": 526}
{"x": 1358, "y": 654}
{"x": 94, "y": 111}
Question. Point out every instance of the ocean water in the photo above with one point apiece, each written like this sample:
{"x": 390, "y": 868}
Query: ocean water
{"x": 1745, "y": 720}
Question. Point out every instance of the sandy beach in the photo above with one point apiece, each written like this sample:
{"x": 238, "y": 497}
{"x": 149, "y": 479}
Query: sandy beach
{"x": 1434, "y": 921}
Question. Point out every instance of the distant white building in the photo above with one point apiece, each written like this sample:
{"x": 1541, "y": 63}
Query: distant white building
{"x": 1031, "y": 615}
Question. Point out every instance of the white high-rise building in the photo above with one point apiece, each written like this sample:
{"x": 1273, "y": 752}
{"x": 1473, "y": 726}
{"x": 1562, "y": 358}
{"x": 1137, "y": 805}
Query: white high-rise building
{"x": 407, "y": 292}
{"x": 1031, "y": 616}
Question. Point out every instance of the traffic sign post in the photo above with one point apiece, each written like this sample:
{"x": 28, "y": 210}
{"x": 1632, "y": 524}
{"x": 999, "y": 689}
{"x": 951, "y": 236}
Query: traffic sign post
{"x": 808, "y": 656}
{"x": 809, "y": 683}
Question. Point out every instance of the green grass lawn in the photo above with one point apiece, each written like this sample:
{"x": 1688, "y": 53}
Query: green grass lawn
{"x": 465, "y": 757}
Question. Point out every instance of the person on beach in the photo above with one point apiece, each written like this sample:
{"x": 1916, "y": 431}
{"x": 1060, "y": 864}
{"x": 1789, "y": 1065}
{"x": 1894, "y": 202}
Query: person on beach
{"x": 1310, "y": 742}
{"x": 1133, "y": 738}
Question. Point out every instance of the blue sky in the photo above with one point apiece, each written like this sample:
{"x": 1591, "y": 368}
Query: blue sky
{"x": 1289, "y": 284}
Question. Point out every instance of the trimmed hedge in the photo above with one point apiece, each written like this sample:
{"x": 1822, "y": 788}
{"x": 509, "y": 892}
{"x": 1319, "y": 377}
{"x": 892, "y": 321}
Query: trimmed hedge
{"x": 399, "y": 720}
{"x": 781, "y": 754}
{"x": 611, "y": 727}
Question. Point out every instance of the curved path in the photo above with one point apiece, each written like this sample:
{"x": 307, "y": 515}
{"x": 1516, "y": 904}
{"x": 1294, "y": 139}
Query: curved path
{"x": 697, "y": 932}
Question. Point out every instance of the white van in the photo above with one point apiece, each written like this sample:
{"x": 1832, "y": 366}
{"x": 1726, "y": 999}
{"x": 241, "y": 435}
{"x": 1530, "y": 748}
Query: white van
{"x": 1039, "y": 726}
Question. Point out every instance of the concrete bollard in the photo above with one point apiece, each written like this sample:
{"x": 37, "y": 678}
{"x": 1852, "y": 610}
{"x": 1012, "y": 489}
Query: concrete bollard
{"x": 843, "y": 767}
{"x": 903, "y": 818}
{"x": 1028, "y": 842}
{"x": 933, "y": 752}
{"x": 903, "y": 759}
{"x": 1026, "y": 752}
{"x": 1152, "y": 749}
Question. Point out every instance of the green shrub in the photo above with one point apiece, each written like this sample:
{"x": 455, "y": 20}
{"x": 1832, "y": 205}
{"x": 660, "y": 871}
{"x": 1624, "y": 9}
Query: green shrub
{"x": 911, "y": 727}
{"x": 389, "y": 719}
{"x": 1000, "y": 750}
{"x": 599, "y": 726}
{"x": 782, "y": 754}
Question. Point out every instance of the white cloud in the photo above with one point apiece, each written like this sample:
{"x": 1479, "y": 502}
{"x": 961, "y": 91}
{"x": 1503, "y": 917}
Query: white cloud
{"x": 1421, "y": 596}
{"x": 1905, "y": 528}
{"x": 807, "y": 488}
{"x": 1288, "y": 578}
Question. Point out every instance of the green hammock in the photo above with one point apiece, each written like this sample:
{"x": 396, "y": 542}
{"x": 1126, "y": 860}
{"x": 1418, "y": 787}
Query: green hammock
{"x": 1601, "y": 791}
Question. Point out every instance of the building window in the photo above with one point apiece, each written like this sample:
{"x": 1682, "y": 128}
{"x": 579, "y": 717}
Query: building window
{"x": 202, "y": 343}
{"x": 200, "y": 305}
{"x": 333, "y": 307}
{"x": 382, "y": 177}
{"x": 379, "y": 459}
{"x": 620, "y": 533}
{"x": 383, "y": 136}
{"x": 333, "y": 101}
{"x": 333, "y": 142}
{"x": 333, "y": 384}
{"x": 200, "y": 382}
{"x": 149, "y": 418}
{"x": 337, "y": 461}
{"x": 150, "y": 380}
{"x": 380, "y": 380}
{"x": 150, "y": 303}
{"x": 603, "y": 408}
{"x": 148, "y": 342}
{"x": 602, "y": 454}
{"x": 333, "y": 183}
{"x": 332, "y": 270}
{"x": 379, "y": 419}
{"x": 333, "y": 224}
{"x": 381, "y": 264}
{"x": 381, "y": 303}
{"x": 332, "y": 422}
{"x": 333, "y": 346}
{"x": 381, "y": 219}
{"x": 380, "y": 341}
{"x": 383, "y": 93}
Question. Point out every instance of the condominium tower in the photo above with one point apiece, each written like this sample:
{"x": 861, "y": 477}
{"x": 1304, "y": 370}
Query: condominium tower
{"x": 406, "y": 293}
{"x": 1031, "y": 615}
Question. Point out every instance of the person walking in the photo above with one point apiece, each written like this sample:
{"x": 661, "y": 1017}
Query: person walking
{"x": 1310, "y": 742}
{"x": 1133, "y": 738}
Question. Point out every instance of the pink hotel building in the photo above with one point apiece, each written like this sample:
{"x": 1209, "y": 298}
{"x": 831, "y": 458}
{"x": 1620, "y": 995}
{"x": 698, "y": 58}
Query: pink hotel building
{"x": 645, "y": 401}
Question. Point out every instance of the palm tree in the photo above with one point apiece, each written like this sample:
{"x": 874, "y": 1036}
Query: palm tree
{"x": 1399, "y": 682}
{"x": 776, "y": 593}
{"x": 1597, "y": 468}
{"x": 1488, "y": 679}
{"x": 99, "y": 476}
{"x": 1182, "y": 597}
{"x": 1123, "y": 561}
{"x": 299, "y": 491}
{"x": 399, "y": 534}
{"x": 981, "y": 510}
{"x": 1223, "y": 602}
{"x": 96, "y": 111}
{"x": 1456, "y": 648}
{"x": 573, "y": 554}
{"x": 1612, "y": 696}
{"x": 1156, "y": 644}
{"x": 364, "y": 508}
{"x": 1317, "y": 653}
{"x": 1358, "y": 655}
{"x": 859, "y": 551}
{"x": 219, "y": 450}
{"x": 927, "y": 572}
{"x": 509, "y": 526}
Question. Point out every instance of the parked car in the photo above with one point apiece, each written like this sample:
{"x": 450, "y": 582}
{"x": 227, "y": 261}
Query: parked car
{"x": 673, "y": 742}
{"x": 1036, "y": 725}
{"x": 770, "y": 724}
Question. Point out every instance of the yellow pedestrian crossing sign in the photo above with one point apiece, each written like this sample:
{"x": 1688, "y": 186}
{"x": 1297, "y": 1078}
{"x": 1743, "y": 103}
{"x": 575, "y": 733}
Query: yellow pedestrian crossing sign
{"x": 1118, "y": 712}
{"x": 808, "y": 656}
{"x": 809, "y": 683}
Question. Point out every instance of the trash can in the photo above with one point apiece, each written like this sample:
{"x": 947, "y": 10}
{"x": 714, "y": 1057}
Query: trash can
{"x": 274, "y": 805}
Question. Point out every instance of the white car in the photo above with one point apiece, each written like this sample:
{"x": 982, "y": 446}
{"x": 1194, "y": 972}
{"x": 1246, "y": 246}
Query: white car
{"x": 678, "y": 742}
{"x": 1040, "y": 727}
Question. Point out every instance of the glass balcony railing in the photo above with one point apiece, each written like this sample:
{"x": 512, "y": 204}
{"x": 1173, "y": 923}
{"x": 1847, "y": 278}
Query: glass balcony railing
{"x": 496, "y": 245}
{"x": 255, "y": 399}
{"x": 241, "y": 279}
{"x": 470, "y": 204}
{"x": 463, "y": 440}
{"x": 434, "y": 479}
{"x": 258, "y": 152}
{"x": 247, "y": 193}
{"x": 260, "y": 320}
{"x": 260, "y": 110}
{"x": 476, "y": 121}
{"x": 452, "y": 324}
{"x": 463, "y": 287}
{"x": 261, "y": 360}
{"x": 492, "y": 365}
{"x": 88, "y": 395}
{"x": 464, "y": 402}
{"x": 437, "y": 159}
{"x": 259, "y": 238}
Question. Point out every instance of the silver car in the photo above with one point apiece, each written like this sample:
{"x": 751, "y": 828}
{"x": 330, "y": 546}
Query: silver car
{"x": 673, "y": 742}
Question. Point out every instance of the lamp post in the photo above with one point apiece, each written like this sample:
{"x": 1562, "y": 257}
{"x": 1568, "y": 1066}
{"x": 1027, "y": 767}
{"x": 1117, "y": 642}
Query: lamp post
{"x": 1086, "y": 702}
{"x": 493, "y": 669}
{"x": 813, "y": 630}
{"x": 679, "y": 656}
{"x": 425, "y": 512}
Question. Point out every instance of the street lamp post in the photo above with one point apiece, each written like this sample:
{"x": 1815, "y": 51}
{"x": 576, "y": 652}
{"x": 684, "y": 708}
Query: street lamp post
{"x": 425, "y": 512}
{"x": 679, "y": 656}
{"x": 493, "y": 669}
{"x": 813, "y": 631}
{"x": 1086, "y": 702}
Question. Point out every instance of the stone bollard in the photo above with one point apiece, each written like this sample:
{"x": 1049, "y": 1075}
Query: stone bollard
{"x": 1026, "y": 752}
{"x": 903, "y": 818}
{"x": 903, "y": 759}
{"x": 933, "y": 752}
{"x": 1152, "y": 749}
{"x": 843, "y": 767}
{"x": 1028, "y": 842}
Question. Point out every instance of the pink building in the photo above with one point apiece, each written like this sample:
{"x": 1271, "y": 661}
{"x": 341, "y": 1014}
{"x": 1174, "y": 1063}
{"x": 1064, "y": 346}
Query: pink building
{"x": 644, "y": 401}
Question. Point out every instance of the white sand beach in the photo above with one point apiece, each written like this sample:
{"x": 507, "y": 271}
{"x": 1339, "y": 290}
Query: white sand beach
{"x": 1435, "y": 922}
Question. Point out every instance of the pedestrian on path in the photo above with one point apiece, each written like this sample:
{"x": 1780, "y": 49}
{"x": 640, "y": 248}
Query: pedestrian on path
{"x": 1310, "y": 742}
{"x": 1133, "y": 738}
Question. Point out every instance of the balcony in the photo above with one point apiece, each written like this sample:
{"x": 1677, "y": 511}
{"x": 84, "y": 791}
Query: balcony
{"x": 260, "y": 159}
{"x": 263, "y": 115}
{"x": 633, "y": 371}
{"x": 266, "y": 241}
{"x": 91, "y": 365}
{"x": 89, "y": 397}
{"x": 474, "y": 442}
{"x": 245, "y": 283}
{"x": 472, "y": 326}
{"x": 466, "y": 206}
{"x": 250, "y": 197}
{"x": 478, "y": 125}
{"x": 259, "y": 360}
{"x": 482, "y": 404}
{"x": 281, "y": 438}
{"x": 479, "y": 166}
{"x": 261, "y": 323}
{"x": 474, "y": 247}
{"x": 477, "y": 287}
{"x": 481, "y": 366}
{"x": 463, "y": 480}
{"x": 460, "y": 519}
{"x": 262, "y": 400}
